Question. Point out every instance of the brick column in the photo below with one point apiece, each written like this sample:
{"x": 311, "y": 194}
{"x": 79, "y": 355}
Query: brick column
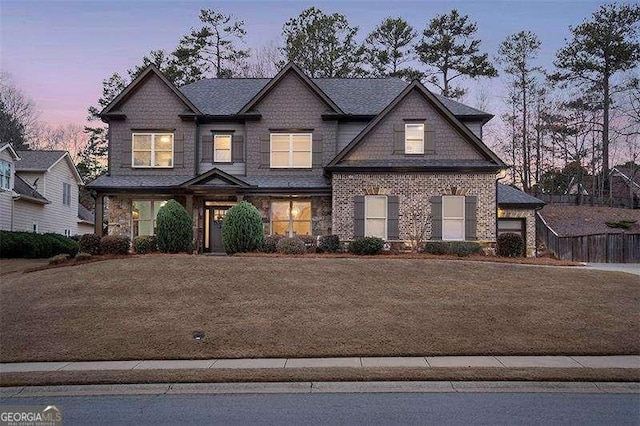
{"x": 99, "y": 215}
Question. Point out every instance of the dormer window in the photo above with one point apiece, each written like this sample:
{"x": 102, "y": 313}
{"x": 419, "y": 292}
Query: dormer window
{"x": 414, "y": 138}
{"x": 152, "y": 150}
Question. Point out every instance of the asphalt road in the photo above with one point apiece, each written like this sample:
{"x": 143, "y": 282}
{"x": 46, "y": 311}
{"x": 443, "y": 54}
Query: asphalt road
{"x": 347, "y": 408}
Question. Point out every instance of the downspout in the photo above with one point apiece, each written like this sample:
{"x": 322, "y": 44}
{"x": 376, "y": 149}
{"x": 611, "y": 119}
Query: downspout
{"x": 496, "y": 190}
{"x": 535, "y": 218}
{"x": 197, "y": 149}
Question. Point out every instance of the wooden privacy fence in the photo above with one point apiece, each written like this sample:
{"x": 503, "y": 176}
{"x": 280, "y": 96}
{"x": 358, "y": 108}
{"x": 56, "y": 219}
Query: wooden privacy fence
{"x": 598, "y": 248}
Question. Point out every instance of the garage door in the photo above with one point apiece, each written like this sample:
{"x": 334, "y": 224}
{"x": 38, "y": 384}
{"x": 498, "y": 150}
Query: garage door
{"x": 514, "y": 226}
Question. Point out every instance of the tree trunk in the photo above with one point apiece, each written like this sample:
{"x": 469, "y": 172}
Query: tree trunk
{"x": 525, "y": 159}
{"x": 605, "y": 128}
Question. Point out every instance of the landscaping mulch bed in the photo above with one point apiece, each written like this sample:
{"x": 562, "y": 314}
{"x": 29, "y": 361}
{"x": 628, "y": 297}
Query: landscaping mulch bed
{"x": 585, "y": 220}
{"x": 148, "y": 307}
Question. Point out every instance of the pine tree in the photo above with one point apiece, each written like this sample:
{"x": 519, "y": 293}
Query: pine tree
{"x": 389, "y": 46}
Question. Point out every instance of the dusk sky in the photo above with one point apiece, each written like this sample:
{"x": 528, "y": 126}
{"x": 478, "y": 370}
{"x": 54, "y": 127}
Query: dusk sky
{"x": 59, "y": 52}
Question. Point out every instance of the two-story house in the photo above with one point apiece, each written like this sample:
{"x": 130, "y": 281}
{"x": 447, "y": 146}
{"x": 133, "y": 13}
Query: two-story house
{"x": 351, "y": 157}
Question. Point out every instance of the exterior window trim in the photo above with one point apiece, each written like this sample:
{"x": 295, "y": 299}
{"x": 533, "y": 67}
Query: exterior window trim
{"x": 385, "y": 217}
{"x": 66, "y": 194}
{"x": 5, "y": 175}
{"x": 458, "y": 218}
{"x": 291, "y": 219}
{"x": 153, "y": 150}
{"x": 215, "y": 150}
{"x": 291, "y": 151}
{"x": 420, "y": 151}
{"x": 153, "y": 202}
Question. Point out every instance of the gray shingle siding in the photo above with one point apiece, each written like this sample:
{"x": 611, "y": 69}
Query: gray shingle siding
{"x": 152, "y": 106}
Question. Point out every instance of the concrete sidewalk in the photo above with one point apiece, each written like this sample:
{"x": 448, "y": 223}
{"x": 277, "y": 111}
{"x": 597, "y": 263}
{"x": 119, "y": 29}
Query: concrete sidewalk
{"x": 631, "y": 268}
{"x": 560, "y": 361}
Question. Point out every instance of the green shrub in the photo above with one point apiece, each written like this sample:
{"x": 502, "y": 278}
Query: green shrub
{"x": 366, "y": 246}
{"x": 270, "y": 243}
{"x": 510, "y": 245}
{"x": 34, "y": 246}
{"x": 83, "y": 256}
{"x": 115, "y": 244}
{"x": 144, "y": 244}
{"x": 174, "y": 228}
{"x": 242, "y": 229}
{"x": 328, "y": 244}
{"x": 90, "y": 243}
{"x": 310, "y": 242}
{"x": 622, "y": 224}
{"x": 58, "y": 259}
{"x": 459, "y": 248}
{"x": 293, "y": 245}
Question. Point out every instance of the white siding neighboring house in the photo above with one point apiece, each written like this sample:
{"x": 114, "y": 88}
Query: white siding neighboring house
{"x": 45, "y": 195}
{"x": 8, "y": 158}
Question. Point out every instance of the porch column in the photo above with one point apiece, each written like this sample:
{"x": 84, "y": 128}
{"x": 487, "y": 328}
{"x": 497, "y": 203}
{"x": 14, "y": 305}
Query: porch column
{"x": 189, "y": 205}
{"x": 99, "y": 215}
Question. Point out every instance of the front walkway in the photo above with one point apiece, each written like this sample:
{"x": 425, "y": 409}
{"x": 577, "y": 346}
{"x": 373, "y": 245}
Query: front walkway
{"x": 631, "y": 268}
{"x": 559, "y": 361}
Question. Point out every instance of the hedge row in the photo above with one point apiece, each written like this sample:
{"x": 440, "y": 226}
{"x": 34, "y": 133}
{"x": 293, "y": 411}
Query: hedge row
{"x": 34, "y": 246}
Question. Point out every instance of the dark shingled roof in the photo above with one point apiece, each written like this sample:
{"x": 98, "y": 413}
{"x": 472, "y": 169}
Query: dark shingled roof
{"x": 145, "y": 181}
{"x": 287, "y": 181}
{"x": 357, "y": 96}
{"x": 508, "y": 195}
{"x": 37, "y": 160}
{"x": 26, "y": 191}
{"x": 409, "y": 162}
{"x": 85, "y": 214}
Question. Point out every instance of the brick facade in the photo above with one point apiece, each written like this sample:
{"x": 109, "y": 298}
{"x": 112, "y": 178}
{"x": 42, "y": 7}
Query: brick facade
{"x": 119, "y": 217}
{"x": 415, "y": 191}
{"x": 530, "y": 220}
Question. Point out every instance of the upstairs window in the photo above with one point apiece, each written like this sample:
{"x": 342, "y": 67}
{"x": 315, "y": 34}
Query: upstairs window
{"x": 66, "y": 194}
{"x": 414, "y": 138}
{"x": 375, "y": 214}
{"x": 453, "y": 218}
{"x": 222, "y": 148}
{"x": 5, "y": 175}
{"x": 152, "y": 150}
{"x": 291, "y": 150}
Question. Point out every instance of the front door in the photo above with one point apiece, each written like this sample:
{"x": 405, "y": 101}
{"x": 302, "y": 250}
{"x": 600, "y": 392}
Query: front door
{"x": 215, "y": 215}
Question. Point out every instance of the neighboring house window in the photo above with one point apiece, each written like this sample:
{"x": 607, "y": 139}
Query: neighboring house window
{"x": 222, "y": 148}
{"x": 144, "y": 214}
{"x": 291, "y": 218}
{"x": 453, "y": 218}
{"x": 5, "y": 174}
{"x": 291, "y": 150}
{"x": 35, "y": 227}
{"x": 152, "y": 150}
{"x": 375, "y": 216}
{"x": 414, "y": 138}
{"x": 66, "y": 194}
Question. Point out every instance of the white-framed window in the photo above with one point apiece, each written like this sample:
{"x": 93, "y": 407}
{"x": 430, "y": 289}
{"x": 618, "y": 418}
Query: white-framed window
{"x": 291, "y": 218}
{"x": 414, "y": 138}
{"x": 152, "y": 150}
{"x": 375, "y": 216}
{"x": 5, "y": 175}
{"x": 35, "y": 227}
{"x": 66, "y": 194}
{"x": 221, "y": 148}
{"x": 453, "y": 218}
{"x": 291, "y": 150}
{"x": 143, "y": 216}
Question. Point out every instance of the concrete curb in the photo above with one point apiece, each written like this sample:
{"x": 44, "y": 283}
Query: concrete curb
{"x": 320, "y": 387}
{"x": 556, "y": 361}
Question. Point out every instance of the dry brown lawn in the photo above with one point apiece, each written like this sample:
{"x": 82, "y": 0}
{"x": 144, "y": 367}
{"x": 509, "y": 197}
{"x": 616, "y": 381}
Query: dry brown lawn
{"x": 147, "y": 307}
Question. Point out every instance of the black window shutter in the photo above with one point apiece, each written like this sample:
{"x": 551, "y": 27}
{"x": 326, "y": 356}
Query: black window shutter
{"x": 398, "y": 134}
{"x": 436, "y": 217}
{"x": 316, "y": 160}
{"x": 207, "y": 148}
{"x": 358, "y": 216}
{"x": 265, "y": 151}
{"x": 393, "y": 215}
{"x": 470, "y": 227}
{"x": 178, "y": 149}
{"x": 429, "y": 140}
{"x": 237, "y": 148}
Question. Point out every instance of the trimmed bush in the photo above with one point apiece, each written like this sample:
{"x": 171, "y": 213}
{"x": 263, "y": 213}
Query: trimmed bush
{"x": 459, "y": 248}
{"x": 328, "y": 244}
{"x": 270, "y": 243}
{"x": 145, "y": 244}
{"x": 90, "y": 243}
{"x": 293, "y": 245}
{"x": 242, "y": 229}
{"x": 509, "y": 245}
{"x": 310, "y": 242}
{"x": 83, "y": 256}
{"x": 34, "y": 246}
{"x": 174, "y": 228}
{"x": 366, "y": 246}
{"x": 115, "y": 244}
